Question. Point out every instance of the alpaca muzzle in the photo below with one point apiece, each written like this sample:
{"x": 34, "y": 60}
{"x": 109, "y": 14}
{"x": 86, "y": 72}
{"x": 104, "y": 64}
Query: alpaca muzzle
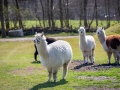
{"x": 37, "y": 41}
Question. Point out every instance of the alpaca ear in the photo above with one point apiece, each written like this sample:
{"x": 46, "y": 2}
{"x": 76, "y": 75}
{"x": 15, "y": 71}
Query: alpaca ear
{"x": 42, "y": 34}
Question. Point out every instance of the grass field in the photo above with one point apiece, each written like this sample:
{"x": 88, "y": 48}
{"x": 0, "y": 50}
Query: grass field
{"x": 18, "y": 71}
{"x": 74, "y": 23}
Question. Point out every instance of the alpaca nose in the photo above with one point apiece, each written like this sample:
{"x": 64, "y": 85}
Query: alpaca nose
{"x": 98, "y": 32}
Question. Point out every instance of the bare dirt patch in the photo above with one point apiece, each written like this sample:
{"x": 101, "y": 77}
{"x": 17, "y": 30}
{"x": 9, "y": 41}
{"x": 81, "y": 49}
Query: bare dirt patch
{"x": 26, "y": 71}
{"x": 97, "y": 78}
{"x": 78, "y": 65}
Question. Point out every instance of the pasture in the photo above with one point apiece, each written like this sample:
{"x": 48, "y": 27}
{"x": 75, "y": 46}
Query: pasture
{"x": 19, "y": 71}
{"x": 75, "y": 23}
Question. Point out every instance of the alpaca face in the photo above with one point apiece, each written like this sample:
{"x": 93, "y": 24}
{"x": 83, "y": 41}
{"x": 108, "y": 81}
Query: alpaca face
{"x": 39, "y": 37}
{"x": 81, "y": 30}
{"x": 100, "y": 31}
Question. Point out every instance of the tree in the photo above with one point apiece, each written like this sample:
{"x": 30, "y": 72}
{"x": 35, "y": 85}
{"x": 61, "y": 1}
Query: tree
{"x": 51, "y": 13}
{"x": 108, "y": 13}
{"x": 19, "y": 15}
{"x": 43, "y": 13}
{"x": 61, "y": 13}
{"x": 118, "y": 7}
{"x": 6, "y": 14}
{"x": 85, "y": 13}
{"x": 2, "y": 19}
{"x": 80, "y": 10}
{"x": 96, "y": 13}
{"x": 107, "y": 10}
{"x": 48, "y": 13}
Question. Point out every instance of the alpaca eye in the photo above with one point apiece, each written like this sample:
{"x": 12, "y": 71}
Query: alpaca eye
{"x": 38, "y": 40}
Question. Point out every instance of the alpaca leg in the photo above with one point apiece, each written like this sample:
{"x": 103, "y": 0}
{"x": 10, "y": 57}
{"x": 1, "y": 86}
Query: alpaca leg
{"x": 35, "y": 55}
{"x": 92, "y": 56}
{"x": 55, "y": 75}
{"x": 84, "y": 57}
{"x": 49, "y": 75}
{"x": 117, "y": 61}
{"x": 109, "y": 56}
{"x": 115, "y": 57}
{"x": 65, "y": 68}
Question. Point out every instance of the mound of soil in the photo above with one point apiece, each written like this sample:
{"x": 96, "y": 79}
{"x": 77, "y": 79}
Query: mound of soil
{"x": 78, "y": 65}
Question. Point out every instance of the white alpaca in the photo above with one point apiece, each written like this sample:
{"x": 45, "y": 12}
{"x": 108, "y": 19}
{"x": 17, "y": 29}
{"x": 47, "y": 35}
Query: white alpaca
{"x": 87, "y": 45}
{"x": 54, "y": 55}
{"x": 110, "y": 44}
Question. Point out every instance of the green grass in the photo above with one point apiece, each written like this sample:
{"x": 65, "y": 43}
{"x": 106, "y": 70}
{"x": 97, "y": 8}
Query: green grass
{"x": 18, "y": 71}
{"x": 74, "y": 23}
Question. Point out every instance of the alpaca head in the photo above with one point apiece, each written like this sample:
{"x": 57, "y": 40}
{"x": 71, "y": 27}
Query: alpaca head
{"x": 100, "y": 32}
{"x": 81, "y": 31}
{"x": 39, "y": 37}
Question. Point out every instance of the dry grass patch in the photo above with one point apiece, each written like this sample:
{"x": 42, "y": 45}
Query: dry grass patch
{"x": 27, "y": 71}
{"x": 98, "y": 78}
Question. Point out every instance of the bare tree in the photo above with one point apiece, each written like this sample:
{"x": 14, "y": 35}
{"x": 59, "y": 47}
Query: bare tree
{"x": 6, "y": 14}
{"x": 80, "y": 10}
{"x": 2, "y": 19}
{"x": 61, "y": 13}
{"x": 48, "y": 13}
{"x": 108, "y": 13}
{"x": 118, "y": 7}
{"x": 85, "y": 12}
{"x": 51, "y": 13}
{"x": 43, "y": 13}
{"x": 66, "y": 12}
{"x": 96, "y": 13}
{"x": 19, "y": 15}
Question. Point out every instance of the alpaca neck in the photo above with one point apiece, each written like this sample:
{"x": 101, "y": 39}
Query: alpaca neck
{"x": 82, "y": 39}
{"x": 42, "y": 49}
{"x": 102, "y": 38}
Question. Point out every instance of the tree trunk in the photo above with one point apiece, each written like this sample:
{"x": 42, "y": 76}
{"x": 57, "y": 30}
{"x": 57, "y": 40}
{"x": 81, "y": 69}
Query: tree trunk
{"x": 108, "y": 13}
{"x": 118, "y": 8}
{"x": 67, "y": 14}
{"x": 61, "y": 13}
{"x": 48, "y": 13}
{"x": 19, "y": 15}
{"x": 2, "y": 19}
{"x": 51, "y": 13}
{"x": 96, "y": 13}
{"x": 43, "y": 15}
{"x": 80, "y": 12}
{"x": 85, "y": 13}
{"x": 6, "y": 14}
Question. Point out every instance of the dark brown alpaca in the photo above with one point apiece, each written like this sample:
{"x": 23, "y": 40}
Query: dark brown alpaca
{"x": 49, "y": 41}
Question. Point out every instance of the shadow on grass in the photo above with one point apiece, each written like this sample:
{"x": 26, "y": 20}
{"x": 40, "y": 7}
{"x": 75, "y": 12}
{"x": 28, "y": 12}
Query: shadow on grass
{"x": 90, "y": 66}
{"x": 36, "y": 62}
{"x": 107, "y": 65}
{"x": 82, "y": 65}
{"x": 48, "y": 84}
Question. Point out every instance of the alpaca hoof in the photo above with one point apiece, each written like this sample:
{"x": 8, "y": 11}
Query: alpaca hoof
{"x": 92, "y": 62}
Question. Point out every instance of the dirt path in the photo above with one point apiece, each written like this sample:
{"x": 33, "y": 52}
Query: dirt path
{"x": 32, "y": 38}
